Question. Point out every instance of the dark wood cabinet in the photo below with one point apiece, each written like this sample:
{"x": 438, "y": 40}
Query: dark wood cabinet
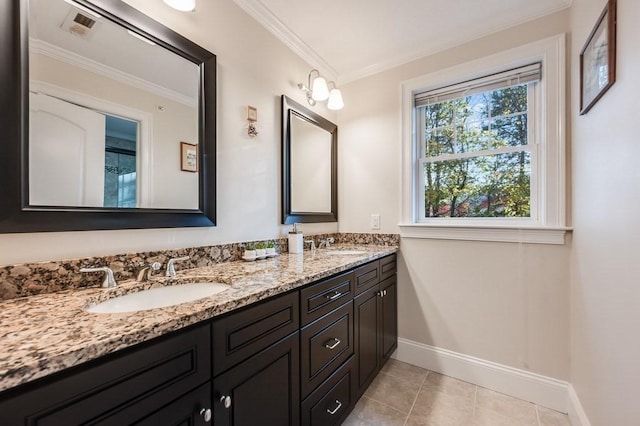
{"x": 239, "y": 335}
{"x": 263, "y": 390}
{"x": 367, "y": 347}
{"x": 188, "y": 410}
{"x": 389, "y": 317}
{"x": 376, "y": 325}
{"x": 332, "y": 401}
{"x": 118, "y": 390}
{"x": 325, "y": 345}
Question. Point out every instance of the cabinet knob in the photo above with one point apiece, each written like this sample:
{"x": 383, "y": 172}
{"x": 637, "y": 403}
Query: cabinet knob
{"x": 336, "y": 342}
{"x": 226, "y": 400}
{"x": 335, "y": 410}
{"x": 206, "y": 414}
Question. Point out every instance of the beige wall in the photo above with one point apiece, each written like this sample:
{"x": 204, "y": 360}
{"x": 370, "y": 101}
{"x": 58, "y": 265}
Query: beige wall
{"x": 254, "y": 68}
{"x": 605, "y": 267}
{"x": 502, "y": 302}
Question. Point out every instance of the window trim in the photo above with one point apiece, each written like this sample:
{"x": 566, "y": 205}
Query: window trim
{"x": 549, "y": 228}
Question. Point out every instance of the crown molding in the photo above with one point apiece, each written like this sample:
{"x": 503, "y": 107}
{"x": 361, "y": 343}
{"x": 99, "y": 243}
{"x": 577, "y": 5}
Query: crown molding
{"x": 275, "y": 26}
{"x": 71, "y": 58}
{"x": 399, "y": 60}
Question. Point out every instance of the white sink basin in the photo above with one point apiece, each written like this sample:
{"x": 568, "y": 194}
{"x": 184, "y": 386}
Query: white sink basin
{"x": 158, "y": 298}
{"x": 345, "y": 252}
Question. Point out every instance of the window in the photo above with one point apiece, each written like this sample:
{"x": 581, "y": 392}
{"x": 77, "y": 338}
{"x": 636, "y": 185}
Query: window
{"x": 484, "y": 149}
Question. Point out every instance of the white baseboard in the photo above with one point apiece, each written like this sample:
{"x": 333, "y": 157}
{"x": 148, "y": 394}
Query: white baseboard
{"x": 576, "y": 412}
{"x": 541, "y": 390}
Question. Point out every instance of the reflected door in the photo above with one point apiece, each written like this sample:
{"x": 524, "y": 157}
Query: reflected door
{"x": 66, "y": 148}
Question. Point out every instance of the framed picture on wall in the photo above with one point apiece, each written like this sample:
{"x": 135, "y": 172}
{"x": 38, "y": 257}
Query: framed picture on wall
{"x": 188, "y": 157}
{"x": 598, "y": 59}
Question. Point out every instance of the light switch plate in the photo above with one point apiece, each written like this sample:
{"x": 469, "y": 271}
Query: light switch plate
{"x": 375, "y": 221}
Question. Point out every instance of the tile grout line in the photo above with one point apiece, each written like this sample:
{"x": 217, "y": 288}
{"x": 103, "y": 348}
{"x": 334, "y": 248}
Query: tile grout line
{"x": 538, "y": 415}
{"x": 416, "y": 397}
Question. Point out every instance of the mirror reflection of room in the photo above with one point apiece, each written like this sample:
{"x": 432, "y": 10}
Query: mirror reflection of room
{"x": 105, "y": 129}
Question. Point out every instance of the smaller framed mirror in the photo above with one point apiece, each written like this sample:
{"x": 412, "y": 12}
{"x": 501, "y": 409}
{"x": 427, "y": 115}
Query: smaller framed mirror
{"x": 309, "y": 165}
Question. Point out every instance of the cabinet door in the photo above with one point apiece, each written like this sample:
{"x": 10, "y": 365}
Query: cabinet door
{"x": 367, "y": 329}
{"x": 189, "y": 410}
{"x": 117, "y": 389}
{"x": 263, "y": 390}
{"x": 389, "y": 319}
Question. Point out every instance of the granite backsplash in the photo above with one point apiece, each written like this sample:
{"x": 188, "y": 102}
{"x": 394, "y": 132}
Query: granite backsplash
{"x": 29, "y": 279}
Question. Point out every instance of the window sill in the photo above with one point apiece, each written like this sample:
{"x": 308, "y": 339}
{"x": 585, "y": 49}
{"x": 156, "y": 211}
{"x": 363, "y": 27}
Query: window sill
{"x": 485, "y": 233}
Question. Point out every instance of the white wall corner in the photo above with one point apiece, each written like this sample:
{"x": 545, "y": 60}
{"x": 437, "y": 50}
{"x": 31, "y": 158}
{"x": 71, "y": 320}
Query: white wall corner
{"x": 542, "y": 390}
{"x": 576, "y": 412}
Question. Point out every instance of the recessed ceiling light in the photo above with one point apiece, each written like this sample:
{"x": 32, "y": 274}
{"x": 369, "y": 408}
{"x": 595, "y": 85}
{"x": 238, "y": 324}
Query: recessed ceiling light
{"x": 182, "y": 5}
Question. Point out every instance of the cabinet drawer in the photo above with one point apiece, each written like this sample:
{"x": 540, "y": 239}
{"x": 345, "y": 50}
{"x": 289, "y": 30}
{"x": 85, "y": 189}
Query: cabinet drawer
{"x": 326, "y": 344}
{"x": 331, "y": 403}
{"x": 318, "y": 299}
{"x": 118, "y": 389}
{"x": 243, "y": 334}
{"x": 388, "y": 267}
{"x": 366, "y": 276}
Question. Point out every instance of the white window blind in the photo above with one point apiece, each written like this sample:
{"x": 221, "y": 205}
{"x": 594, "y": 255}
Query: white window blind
{"x": 501, "y": 80}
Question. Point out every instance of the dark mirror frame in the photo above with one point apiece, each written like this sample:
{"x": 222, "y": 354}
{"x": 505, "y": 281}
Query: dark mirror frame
{"x": 16, "y": 215}
{"x": 289, "y": 108}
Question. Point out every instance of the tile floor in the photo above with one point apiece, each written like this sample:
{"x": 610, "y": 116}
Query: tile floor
{"x": 406, "y": 395}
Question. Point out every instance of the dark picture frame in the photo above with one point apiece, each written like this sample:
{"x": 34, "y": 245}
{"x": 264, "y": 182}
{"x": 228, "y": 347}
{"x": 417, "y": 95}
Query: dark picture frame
{"x": 598, "y": 59}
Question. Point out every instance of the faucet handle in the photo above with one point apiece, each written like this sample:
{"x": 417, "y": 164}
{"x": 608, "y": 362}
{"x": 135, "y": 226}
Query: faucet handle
{"x": 312, "y": 244}
{"x": 171, "y": 269}
{"x": 109, "y": 279}
{"x": 145, "y": 271}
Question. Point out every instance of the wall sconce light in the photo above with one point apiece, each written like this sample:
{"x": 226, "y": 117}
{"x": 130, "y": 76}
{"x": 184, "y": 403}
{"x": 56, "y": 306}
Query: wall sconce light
{"x": 318, "y": 90}
{"x": 182, "y": 5}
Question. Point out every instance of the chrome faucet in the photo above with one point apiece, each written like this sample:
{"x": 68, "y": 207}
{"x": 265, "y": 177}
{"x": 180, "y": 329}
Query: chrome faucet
{"x": 326, "y": 242}
{"x": 171, "y": 270}
{"x": 311, "y": 243}
{"x": 145, "y": 271}
{"x": 109, "y": 279}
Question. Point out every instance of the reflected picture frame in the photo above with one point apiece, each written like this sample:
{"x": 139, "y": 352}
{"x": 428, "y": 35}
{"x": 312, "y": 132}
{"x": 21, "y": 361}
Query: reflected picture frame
{"x": 188, "y": 157}
{"x": 598, "y": 59}
{"x": 252, "y": 113}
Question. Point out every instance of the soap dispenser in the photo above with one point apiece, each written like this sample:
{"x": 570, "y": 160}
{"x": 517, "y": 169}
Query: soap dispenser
{"x": 296, "y": 244}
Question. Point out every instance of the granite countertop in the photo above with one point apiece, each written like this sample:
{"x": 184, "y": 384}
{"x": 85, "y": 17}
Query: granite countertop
{"x": 40, "y": 335}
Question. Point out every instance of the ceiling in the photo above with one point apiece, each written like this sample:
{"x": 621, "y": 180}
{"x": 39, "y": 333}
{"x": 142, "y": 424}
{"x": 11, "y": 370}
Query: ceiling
{"x": 109, "y": 49}
{"x": 350, "y": 39}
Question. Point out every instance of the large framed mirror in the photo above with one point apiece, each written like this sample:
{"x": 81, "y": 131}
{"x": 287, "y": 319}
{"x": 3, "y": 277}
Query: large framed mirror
{"x": 309, "y": 165}
{"x": 99, "y": 102}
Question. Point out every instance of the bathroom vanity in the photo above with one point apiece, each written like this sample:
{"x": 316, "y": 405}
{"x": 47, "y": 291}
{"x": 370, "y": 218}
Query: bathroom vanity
{"x": 295, "y": 340}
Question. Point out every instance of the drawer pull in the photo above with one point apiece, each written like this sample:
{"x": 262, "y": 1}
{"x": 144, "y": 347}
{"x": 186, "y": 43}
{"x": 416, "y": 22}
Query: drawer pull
{"x": 336, "y": 294}
{"x": 335, "y": 410}
{"x": 336, "y": 342}
{"x": 226, "y": 400}
{"x": 206, "y": 414}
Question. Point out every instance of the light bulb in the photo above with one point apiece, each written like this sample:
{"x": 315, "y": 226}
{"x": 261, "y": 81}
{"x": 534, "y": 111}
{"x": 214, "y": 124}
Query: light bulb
{"x": 182, "y": 5}
{"x": 335, "y": 100}
{"x": 319, "y": 89}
